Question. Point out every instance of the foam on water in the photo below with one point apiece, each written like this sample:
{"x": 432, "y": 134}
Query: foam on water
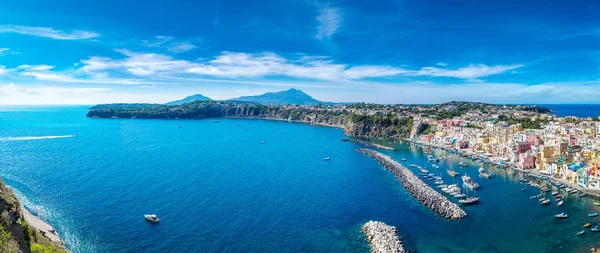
{"x": 34, "y": 138}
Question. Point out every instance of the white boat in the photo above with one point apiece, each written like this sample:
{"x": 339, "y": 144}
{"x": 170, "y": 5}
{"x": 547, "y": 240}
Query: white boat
{"x": 152, "y": 218}
{"x": 561, "y": 216}
{"x": 484, "y": 173}
{"x": 560, "y": 203}
{"x": 435, "y": 166}
{"x": 469, "y": 183}
{"x": 469, "y": 201}
{"x": 326, "y": 159}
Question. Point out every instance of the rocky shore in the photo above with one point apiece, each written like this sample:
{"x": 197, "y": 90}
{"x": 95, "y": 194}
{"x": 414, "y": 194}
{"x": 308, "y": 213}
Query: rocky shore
{"x": 382, "y": 237}
{"x": 417, "y": 188}
{"x": 43, "y": 227}
{"x": 369, "y": 144}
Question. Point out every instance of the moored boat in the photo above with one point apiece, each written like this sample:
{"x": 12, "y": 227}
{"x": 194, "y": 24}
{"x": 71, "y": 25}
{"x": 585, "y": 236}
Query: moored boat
{"x": 452, "y": 173}
{"x": 596, "y": 229}
{"x": 592, "y": 214}
{"x": 469, "y": 201}
{"x": 403, "y": 159}
{"x": 545, "y": 202}
{"x": 326, "y": 159}
{"x": 469, "y": 183}
{"x": 560, "y": 203}
{"x": 484, "y": 173}
{"x": 587, "y": 225}
{"x": 581, "y": 232}
{"x": 597, "y": 203}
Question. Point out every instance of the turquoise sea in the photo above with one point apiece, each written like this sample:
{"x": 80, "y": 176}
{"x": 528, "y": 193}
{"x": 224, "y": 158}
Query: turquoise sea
{"x": 216, "y": 188}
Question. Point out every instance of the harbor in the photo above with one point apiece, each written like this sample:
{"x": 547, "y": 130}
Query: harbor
{"x": 369, "y": 144}
{"x": 417, "y": 188}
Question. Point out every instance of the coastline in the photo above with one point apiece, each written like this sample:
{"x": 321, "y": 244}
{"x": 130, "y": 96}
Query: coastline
{"x": 285, "y": 120}
{"x": 42, "y": 226}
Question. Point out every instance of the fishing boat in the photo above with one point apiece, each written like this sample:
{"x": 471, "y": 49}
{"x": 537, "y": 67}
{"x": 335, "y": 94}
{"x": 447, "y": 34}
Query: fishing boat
{"x": 592, "y": 214}
{"x": 581, "y": 232}
{"x": 469, "y": 183}
{"x": 152, "y": 218}
{"x": 484, "y": 173}
{"x": 545, "y": 202}
{"x": 587, "y": 225}
{"x": 561, "y": 216}
{"x": 596, "y": 229}
{"x": 326, "y": 159}
{"x": 560, "y": 203}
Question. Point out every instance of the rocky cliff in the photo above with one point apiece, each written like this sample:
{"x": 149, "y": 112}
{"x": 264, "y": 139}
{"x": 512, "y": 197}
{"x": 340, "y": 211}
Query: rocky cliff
{"x": 353, "y": 124}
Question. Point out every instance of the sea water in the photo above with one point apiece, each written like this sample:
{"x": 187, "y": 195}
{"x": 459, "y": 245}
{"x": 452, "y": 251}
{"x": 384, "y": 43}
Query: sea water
{"x": 251, "y": 186}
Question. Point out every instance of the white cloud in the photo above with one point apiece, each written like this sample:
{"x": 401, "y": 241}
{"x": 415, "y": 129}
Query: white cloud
{"x": 443, "y": 64}
{"x": 3, "y": 70}
{"x": 329, "y": 21}
{"x": 470, "y": 72}
{"x": 180, "y": 47}
{"x": 169, "y": 43}
{"x": 146, "y": 68}
{"x": 3, "y": 51}
{"x": 48, "y": 32}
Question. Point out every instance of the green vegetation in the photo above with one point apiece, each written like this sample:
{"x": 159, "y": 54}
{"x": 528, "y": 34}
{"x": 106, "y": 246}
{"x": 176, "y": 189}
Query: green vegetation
{"x": 12, "y": 224}
{"x": 526, "y": 122}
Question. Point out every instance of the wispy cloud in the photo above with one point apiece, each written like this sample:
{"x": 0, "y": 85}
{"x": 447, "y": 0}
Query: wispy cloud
{"x": 3, "y": 51}
{"x": 48, "y": 32}
{"x": 329, "y": 20}
{"x": 139, "y": 68}
{"x": 3, "y": 70}
{"x": 170, "y": 44}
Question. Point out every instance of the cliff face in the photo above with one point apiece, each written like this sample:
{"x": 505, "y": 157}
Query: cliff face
{"x": 353, "y": 124}
{"x": 16, "y": 235}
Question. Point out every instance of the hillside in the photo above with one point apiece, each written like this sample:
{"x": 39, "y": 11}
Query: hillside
{"x": 16, "y": 235}
{"x": 286, "y": 97}
{"x": 353, "y": 124}
{"x": 192, "y": 98}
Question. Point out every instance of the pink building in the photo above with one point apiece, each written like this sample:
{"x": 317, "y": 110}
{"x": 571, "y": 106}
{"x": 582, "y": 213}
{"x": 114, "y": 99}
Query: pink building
{"x": 527, "y": 161}
{"x": 523, "y": 147}
{"x": 533, "y": 139}
{"x": 449, "y": 123}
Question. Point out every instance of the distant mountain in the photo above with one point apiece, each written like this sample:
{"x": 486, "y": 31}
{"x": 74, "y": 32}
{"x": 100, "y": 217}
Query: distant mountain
{"x": 191, "y": 98}
{"x": 291, "y": 96}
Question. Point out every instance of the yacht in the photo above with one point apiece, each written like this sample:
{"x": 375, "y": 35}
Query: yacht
{"x": 484, "y": 173}
{"x": 469, "y": 183}
{"x": 561, "y": 216}
{"x": 152, "y": 218}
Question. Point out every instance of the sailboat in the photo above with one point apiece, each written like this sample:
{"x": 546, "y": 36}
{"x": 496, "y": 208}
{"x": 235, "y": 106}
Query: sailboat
{"x": 469, "y": 200}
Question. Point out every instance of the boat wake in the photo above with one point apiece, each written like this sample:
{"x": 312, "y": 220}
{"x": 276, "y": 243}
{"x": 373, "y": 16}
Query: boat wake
{"x": 34, "y": 138}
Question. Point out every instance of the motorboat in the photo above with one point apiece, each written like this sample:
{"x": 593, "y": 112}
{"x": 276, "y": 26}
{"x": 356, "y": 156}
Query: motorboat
{"x": 561, "y": 216}
{"x": 484, "y": 173}
{"x": 533, "y": 197}
{"x": 592, "y": 214}
{"x": 403, "y": 159}
{"x": 469, "y": 183}
{"x": 560, "y": 203}
{"x": 587, "y": 225}
{"x": 452, "y": 173}
{"x": 152, "y": 218}
{"x": 596, "y": 229}
{"x": 326, "y": 159}
{"x": 545, "y": 202}
{"x": 581, "y": 232}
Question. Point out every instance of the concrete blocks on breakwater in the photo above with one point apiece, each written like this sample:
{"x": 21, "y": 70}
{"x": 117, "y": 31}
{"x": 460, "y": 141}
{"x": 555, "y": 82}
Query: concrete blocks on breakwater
{"x": 368, "y": 144}
{"x": 383, "y": 238}
{"x": 417, "y": 188}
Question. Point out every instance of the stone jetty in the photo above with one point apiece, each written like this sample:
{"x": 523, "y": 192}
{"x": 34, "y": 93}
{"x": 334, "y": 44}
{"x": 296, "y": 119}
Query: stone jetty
{"x": 382, "y": 237}
{"x": 368, "y": 144}
{"x": 415, "y": 186}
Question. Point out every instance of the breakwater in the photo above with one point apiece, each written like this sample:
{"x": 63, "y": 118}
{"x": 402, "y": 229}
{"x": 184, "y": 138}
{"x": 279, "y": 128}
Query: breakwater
{"x": 368, "y": 144}
{"x": 383, "y": 238}
{"x": 421, "y": 191}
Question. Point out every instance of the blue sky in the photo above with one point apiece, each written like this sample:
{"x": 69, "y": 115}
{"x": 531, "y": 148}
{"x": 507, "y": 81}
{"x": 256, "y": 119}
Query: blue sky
{"x": 84, "y": 52}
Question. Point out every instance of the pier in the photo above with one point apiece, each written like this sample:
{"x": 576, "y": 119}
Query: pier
{"x": 382, "y": 237}
{"x": 417, "y": 188}
{"x": 369, "y": 144}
